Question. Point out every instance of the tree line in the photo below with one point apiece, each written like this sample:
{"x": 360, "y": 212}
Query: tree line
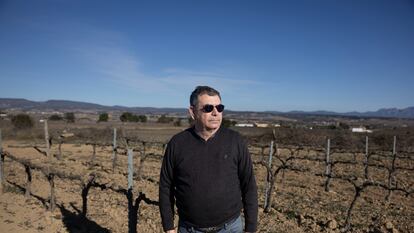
{"x": 25, "y": 121}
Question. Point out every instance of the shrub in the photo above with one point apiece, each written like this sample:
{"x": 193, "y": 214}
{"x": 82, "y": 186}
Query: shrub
{"x": 103, "y": 117}
{"x": 22, "y": 121}
{"x": 134, "y": 118}
{"x": 165, "y": 119}
{"x": 129, "y": 117}
{"x": 126, "y": 116}
{"x": 70, "y": 117}
{"x": 55, "y": 117}
{"x": 143, "y": 118}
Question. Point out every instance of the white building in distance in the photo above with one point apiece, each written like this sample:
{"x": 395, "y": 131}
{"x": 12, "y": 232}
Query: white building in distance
{"x": 244, "y": 125}
{"x": 361, "y": 129}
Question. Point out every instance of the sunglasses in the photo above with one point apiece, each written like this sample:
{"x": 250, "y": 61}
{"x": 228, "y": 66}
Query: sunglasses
{"x": 209, "y": 108}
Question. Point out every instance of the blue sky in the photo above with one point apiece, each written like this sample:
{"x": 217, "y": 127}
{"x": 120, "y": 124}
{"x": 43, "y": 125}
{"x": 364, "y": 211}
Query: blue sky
{"x": 261, "y": 55}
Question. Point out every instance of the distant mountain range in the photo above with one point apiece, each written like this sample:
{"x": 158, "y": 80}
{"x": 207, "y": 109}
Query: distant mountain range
{"x": 66, "y": 105}
{"x": 383, "y": 113}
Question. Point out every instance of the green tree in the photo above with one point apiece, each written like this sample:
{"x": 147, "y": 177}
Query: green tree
{"x": 143, "y": 118}
{"x": 129, "y": 117}
{"x": 70, "y": 117}
{"x": 22, "y": 121}
{"x": 125, "y": 117}
{"x": 55, "y": 117}
{"x": 103, "y": 117}
{"x": 134, "y": 118}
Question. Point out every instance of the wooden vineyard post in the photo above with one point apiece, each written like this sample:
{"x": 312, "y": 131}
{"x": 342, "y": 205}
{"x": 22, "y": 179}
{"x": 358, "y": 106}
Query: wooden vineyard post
{"x": 92, "y": 162}
{"x": 262, "y": 152}
{"x": 132, "y": 213}
{"x": 47, "y": 141}
{"x": 1, "y": 165}
{"x": 94, "y": 152}
{"x": 328, "y": 163}
{"x": 391, "y": 178}
{"x": 29, "y": 181}
{"x": 366, "y": 160}
{"x": 130, "y": 168}
{"x": 52, "y": 203}
{"x": 59, "y": 155}
{"x": 269, "y": 174}
{"x": 114, "y": 151}
{"x": 133, "y": 205}
{"x": 2, "y": 180}
{"x": 49, "y": 175}
{"x": 141, "y": 161}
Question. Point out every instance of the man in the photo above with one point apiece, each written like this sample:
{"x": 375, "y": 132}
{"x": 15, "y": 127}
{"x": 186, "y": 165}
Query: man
{"x": 208, "y": 173}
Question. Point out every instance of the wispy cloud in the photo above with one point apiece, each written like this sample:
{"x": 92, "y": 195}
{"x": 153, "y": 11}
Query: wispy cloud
{"x": 118, "y": 66}
{"x": 112, "y": 57}
{"x": 190, "y": 78}
{"x": 116, "y": 63}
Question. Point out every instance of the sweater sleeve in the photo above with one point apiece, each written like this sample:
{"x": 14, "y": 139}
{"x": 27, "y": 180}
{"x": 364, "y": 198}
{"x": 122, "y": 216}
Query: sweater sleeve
{"x": 248, "y": 188}
{"x": 166, "y": 190}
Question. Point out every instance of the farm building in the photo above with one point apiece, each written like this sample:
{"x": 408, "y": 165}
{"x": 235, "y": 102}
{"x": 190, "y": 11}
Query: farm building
{"x": 361, "y": 129}
{"x": 244, "y": 125}
{"x": 261, "y": 125}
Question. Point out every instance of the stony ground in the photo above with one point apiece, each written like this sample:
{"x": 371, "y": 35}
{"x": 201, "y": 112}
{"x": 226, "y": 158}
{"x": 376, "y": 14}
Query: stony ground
{"x": 300, "y": 203}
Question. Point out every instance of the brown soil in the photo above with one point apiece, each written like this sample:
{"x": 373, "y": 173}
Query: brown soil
{"x": 300, "y": 203}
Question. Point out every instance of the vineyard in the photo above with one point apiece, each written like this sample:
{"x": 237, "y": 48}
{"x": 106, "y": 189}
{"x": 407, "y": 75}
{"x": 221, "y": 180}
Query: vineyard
{"x": 110, "y": 184}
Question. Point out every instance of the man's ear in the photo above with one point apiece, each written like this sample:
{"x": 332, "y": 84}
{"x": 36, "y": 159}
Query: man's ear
{"x": 191, "y": 111}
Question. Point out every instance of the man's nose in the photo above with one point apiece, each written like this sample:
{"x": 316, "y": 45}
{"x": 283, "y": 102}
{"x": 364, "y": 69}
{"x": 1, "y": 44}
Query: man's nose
{"x": 214, "y": 112}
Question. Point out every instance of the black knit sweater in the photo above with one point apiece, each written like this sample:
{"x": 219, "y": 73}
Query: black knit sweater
{"x": 210, "y": 181}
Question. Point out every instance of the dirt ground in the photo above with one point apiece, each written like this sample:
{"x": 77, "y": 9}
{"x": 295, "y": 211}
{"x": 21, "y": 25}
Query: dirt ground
{"x": 300, "y": 203}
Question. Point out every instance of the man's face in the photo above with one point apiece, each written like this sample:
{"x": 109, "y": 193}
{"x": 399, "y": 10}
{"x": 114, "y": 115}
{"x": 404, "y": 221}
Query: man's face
{"x": 207, "y": 120}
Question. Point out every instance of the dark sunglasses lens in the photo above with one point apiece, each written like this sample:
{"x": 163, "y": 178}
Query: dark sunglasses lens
{"x": 208, "y": 108}
{"x": 220, "y": 108}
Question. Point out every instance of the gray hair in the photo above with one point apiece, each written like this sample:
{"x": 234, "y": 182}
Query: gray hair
{"x": 201, "y": 90}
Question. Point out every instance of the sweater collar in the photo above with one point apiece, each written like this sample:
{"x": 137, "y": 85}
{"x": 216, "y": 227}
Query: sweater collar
{"x": 195, "y": 134}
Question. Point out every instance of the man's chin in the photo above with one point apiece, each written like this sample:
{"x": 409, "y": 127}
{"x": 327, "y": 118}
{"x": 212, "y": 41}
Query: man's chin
{"x": 213, "y": 126}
